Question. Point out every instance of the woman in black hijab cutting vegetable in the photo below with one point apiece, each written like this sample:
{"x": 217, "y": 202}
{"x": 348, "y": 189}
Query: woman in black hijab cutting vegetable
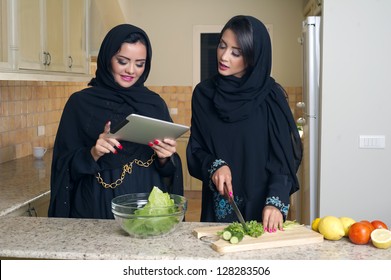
{"x": 89, "y": 169}
{"x": 244, "y": 141}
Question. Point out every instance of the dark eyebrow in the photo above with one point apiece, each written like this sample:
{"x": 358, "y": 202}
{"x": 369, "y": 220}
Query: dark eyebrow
{"x": 124, "y": 57}
{"x": 236, "y": 48}
{"x": 121, "y": 56}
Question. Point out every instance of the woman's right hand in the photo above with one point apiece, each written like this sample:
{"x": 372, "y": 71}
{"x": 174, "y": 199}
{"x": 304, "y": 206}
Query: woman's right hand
{"x": 223, "y": 181}
{"x": 104, "y": 144}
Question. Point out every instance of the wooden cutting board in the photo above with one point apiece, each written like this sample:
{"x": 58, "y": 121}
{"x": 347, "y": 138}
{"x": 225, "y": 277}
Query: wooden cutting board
{"x": 299, "y": 235}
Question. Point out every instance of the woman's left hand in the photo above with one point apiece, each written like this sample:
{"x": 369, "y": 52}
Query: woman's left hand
{"x": 272, "y": 219}
{"x": 164, "y": 148}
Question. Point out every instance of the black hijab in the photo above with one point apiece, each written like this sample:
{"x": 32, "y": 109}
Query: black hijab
{"x": 236, "y": 97}
{"x": 85, "y": 115}
{"x": 109, "y": 47}
{"x": 236, "y": 100}
{"x": 146, "y": 100}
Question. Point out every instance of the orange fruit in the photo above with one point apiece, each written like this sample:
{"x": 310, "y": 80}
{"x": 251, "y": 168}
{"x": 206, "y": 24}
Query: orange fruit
{"x": 359, "y": 233}
{"x": 379, "y": 224}
{"x": 368, "y": 223}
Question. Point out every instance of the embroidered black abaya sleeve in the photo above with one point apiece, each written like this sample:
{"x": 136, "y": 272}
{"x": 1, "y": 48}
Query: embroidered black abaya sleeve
{"x": 284, "y": 153}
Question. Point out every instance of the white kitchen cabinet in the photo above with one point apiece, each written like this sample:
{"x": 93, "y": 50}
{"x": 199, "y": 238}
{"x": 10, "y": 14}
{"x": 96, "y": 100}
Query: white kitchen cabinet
{"x": 76, "y": 34}
{"x": 4, "y": 59}
{"x": 45, "y": 35}
{"x": 41, "y": 35}
{"x": 28, "y": 22}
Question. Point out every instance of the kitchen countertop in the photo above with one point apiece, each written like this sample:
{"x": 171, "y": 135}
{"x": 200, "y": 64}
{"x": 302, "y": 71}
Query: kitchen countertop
{"x": 23, "y": 181}
{"x": 60, "y": 238}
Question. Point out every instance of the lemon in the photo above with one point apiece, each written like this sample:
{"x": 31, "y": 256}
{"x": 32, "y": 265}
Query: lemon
{"x": 347, "y": 222}
{"x": 381, "y": 238}
{"x": 331, "y": 228}
{"x": 315, "y": 224}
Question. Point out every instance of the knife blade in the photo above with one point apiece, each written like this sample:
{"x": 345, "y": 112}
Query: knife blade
{"x": 237, "y": 211}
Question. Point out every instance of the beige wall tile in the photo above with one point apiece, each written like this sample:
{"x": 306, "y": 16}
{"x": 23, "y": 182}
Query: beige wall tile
{"x": 24, "y": 106}
{"x": 27, "y": 104}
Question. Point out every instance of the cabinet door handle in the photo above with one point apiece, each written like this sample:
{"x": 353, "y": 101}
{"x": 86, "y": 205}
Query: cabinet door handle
{"x": 45, "y": 58}
{"x": 32, "y": 212}
{"x": 70, "y": 61}
{"x": 49, "y": 59}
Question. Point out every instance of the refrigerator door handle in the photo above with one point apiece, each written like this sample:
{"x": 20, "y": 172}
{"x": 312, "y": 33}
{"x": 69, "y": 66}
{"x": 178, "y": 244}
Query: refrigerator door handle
{"x": 310, "y": 116}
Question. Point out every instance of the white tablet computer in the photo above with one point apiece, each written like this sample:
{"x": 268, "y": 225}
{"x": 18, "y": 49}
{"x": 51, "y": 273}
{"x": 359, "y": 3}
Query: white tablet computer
{"x": 142, "y": 130}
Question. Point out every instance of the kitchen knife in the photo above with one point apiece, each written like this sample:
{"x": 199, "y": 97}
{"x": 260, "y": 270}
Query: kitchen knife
{"x": 237, "y": 211}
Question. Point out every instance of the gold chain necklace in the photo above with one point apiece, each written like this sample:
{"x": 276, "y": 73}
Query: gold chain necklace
{"x": 127, "y": 168}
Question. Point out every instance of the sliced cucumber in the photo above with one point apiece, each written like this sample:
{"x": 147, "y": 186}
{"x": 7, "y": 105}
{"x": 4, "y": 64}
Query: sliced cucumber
{"x": 236, "y": 238}
{"x": 227, "y": 235}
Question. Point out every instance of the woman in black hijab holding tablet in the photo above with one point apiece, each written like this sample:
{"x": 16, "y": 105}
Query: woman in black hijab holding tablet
{"x": 244, "y": 141}
{"x": 89, "y": 169}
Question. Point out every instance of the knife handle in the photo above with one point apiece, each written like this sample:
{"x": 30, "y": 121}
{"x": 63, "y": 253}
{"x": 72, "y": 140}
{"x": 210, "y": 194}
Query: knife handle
{"x": 230, "y": 194}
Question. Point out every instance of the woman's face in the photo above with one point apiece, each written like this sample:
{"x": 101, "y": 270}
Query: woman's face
{"x": 229, "y": 56}
{"x": 128, "y": 64}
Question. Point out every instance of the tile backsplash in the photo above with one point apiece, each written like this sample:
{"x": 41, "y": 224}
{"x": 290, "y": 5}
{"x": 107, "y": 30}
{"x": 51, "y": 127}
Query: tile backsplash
{"x": 27, "y": 105}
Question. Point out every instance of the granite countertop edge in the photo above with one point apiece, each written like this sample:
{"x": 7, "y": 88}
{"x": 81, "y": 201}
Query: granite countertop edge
{"x": 89, "y": 239}
{"x": 25, "y": 203}
{"x": 23, "y": 181}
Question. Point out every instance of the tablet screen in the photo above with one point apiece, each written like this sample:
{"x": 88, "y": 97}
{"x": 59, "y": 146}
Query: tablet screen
{"x": 142, "y": 130}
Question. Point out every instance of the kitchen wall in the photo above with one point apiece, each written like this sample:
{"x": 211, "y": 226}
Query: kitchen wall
{"x": 355, "y": 99}
{"x": 25, "y": 105}
{"x": 169, "y": 24}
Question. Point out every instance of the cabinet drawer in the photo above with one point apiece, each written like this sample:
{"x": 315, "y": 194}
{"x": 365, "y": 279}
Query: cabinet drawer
{"x": 36, "y": 208}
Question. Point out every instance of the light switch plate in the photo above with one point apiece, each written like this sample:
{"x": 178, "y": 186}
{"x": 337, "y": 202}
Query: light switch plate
{"x": 41, "y": 130}
{"x": 372, "y": 141}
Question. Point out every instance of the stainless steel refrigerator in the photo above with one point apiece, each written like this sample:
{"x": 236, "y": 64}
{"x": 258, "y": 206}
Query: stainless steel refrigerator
{"x": 308, "y": 196}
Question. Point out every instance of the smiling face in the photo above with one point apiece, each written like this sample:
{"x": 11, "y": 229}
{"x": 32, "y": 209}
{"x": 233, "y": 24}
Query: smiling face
{"x": 229, "y": 56}
{"x": 128, "y": 64}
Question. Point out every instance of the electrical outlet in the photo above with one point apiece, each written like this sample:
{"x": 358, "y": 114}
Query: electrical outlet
{"x": 41, "y": 130}
{"x": 174, "y": 111}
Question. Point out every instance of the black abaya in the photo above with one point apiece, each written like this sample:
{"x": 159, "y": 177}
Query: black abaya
{"x": 245, "y": 123}
{"x": 75, "y": 190}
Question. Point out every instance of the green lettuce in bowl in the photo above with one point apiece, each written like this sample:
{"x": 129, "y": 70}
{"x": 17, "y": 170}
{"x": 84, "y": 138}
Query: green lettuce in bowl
{"x": 146, "y": 215}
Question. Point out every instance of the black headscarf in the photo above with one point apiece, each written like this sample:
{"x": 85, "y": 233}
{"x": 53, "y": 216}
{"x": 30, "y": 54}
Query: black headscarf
{"x": 145, "y": 99}
{"x": 236, "y": 97}
{"x": 248, "y": 123}
{"x": 86, "y": 114}
{"x": 109, "y": 47}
